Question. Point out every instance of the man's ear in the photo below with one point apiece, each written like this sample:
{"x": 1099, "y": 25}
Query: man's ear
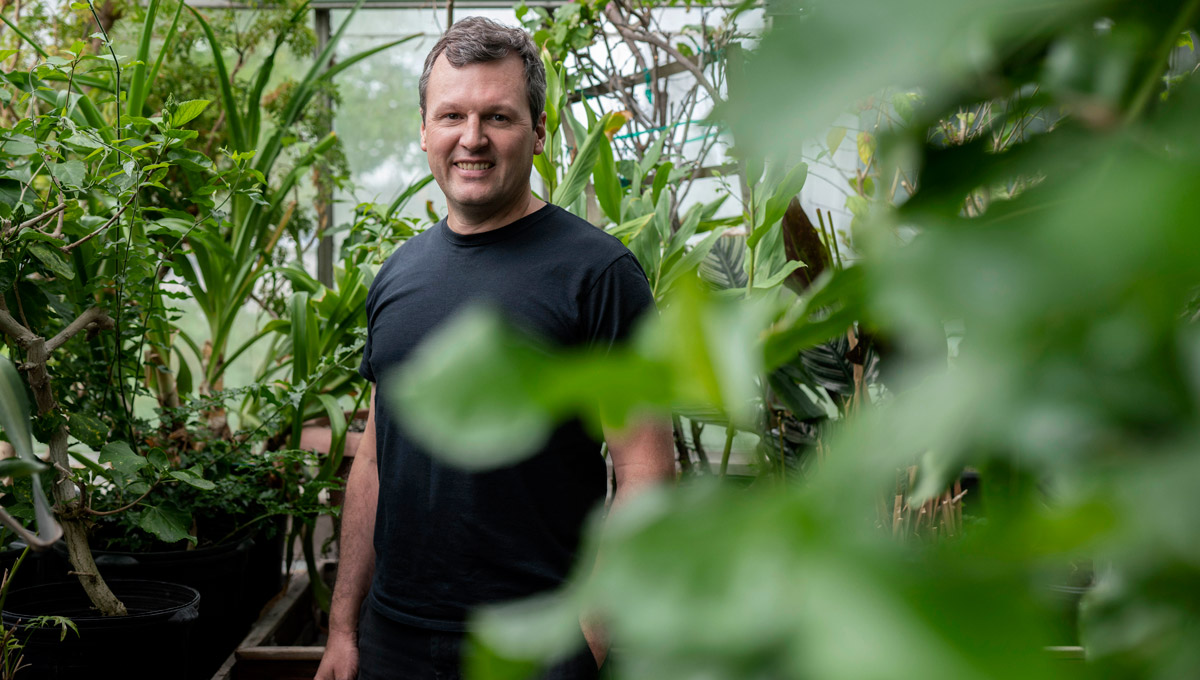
{"x": 539, "y": 131}
{"x": 423, "y": 132}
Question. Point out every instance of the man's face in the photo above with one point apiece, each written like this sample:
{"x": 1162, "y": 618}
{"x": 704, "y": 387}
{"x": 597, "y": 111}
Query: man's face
{"x": 478, "y": 134}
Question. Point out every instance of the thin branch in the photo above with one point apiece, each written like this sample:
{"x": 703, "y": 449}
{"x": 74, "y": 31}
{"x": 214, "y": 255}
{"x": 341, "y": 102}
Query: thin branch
{"x": 112, "y": 220}
{"x": 15, "y": 330}
{"x": 632, "y": 34}
{"x": 33, "y": 222}
{"x": 105, "y": 513}
{"x": 93, "y": 315}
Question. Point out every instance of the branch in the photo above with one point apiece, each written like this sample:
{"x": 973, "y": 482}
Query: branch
{"x": 93, "y": 315}
{"x": 632, "y": 34}
{"x": 71, "y": 246}
{"x": 33, "y": 222}
{"x": 15, "y": 330}
{"x": 105, "y": 513}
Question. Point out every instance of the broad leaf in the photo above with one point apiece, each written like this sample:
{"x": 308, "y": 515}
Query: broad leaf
{"x": 723, "y": 265}
{"x": 88, "y": 429}
{"x": 187, "y": 111}
{"x": 122, "y": 458}
{"x": 53, "y": 259}
{"x": 192, "y": 477}
{"x": 167, "y": 522}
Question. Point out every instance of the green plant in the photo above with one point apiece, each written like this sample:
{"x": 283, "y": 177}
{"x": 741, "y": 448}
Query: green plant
{"x": 80, "y": 250}
{"x": 229, "y": 261}
{"x": 1072, "y": 390}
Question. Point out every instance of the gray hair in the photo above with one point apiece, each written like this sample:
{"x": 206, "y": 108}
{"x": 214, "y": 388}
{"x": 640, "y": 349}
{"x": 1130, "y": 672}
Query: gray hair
{"x": 475, "y": 40}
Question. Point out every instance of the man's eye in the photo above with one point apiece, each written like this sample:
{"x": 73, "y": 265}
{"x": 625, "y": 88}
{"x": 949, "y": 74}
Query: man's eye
{"x": 499, "y": 117}
{"x": 452, "y": 116}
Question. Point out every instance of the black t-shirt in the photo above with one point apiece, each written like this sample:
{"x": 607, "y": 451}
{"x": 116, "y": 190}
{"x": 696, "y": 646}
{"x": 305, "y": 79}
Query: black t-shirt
{"x": 448, "y": 540}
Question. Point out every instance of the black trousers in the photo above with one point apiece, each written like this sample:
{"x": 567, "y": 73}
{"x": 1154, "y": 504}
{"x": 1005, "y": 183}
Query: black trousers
{"x": 388, "y": 650}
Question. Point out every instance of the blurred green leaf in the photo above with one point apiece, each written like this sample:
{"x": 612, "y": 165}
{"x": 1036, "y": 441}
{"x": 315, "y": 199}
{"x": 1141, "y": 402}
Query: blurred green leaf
{"x": 19, "y": 467}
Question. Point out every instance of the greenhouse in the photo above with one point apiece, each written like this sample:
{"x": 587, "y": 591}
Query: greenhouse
{"x": 634, "y": 339}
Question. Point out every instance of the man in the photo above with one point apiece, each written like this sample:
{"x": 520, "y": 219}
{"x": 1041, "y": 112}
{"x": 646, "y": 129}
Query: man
{"x": 423, "y": 543}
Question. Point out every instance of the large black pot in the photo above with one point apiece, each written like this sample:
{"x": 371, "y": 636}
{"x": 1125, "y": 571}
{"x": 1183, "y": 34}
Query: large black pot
{"x": 218, "y": 573}
{"x": 152, "y": 642}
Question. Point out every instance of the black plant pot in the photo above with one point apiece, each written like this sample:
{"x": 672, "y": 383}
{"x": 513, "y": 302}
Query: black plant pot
{"x": 218, "y": 573}
{"x": 152, "y": 642}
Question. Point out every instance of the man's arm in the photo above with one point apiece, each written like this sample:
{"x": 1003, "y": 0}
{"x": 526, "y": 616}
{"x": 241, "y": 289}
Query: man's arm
{"x": 356, "y": 563}
{"x": 642, "y": 456}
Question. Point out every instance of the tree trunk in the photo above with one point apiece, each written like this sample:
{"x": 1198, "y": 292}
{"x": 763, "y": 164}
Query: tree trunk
{"x": 65, "y": 493}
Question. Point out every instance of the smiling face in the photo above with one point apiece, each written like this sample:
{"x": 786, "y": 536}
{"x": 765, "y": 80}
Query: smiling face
{"x": 480, "y": 140}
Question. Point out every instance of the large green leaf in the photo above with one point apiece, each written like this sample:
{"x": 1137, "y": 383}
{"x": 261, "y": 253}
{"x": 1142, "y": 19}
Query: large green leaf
{"x": 166, "y": 522}
{"x": 88, "y": 429}
{"x": 233, "y": 115}
{"x": 577, "y": 175}
{"x": 607, "y": 182}
{"x": 122, "y": 458}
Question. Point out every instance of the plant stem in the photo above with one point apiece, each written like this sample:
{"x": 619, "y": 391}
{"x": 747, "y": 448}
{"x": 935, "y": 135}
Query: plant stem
{"x": 729, "y": 432}
{"x": 1155, "y": 74}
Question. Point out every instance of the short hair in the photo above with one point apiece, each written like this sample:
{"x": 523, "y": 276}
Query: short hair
{"x": 475, "y": 40}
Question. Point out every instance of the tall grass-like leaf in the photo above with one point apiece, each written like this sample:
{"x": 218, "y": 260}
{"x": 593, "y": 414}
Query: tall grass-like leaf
{"x": 577, "y": 175}
{"x": 137, "y": 83}
{"x": 307, "y": 88}
{"x": 771, "y": 210}
{"x": 254, "y": 103}
{"x": 153, "y": 75}
{"x": 245, "y": 236}
{"x": 24, "y": 36}
{"x": 298, "y": 310}
{"x": 607, "y": 183}
{"x": 233, "y": 116}
{"x": 400, "y": 201}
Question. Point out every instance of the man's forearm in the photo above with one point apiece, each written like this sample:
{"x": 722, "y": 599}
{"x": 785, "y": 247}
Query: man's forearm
{"x": 356, "y": 563}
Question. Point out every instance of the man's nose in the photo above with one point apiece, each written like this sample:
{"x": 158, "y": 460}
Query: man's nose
{"x": 473, "y": 136}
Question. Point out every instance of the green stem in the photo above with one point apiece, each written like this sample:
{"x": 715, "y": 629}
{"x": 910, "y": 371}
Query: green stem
{"x": 8, "y": 578}
{"x": 1155, "y": 74}
{"x": 729, "y": 432}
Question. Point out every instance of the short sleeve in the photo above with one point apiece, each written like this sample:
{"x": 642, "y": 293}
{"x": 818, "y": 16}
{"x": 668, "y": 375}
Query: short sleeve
{"x": 617, "y": 300}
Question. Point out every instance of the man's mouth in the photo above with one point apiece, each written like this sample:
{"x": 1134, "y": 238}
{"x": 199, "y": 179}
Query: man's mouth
{"x": 473, "y": 166}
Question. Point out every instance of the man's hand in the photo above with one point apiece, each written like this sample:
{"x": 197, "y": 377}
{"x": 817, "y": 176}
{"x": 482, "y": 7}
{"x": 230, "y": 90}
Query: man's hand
{"x": 340, "y": 661}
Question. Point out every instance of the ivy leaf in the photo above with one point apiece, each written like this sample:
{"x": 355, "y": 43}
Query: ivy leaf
{"x": 192, "y": 477}
{"x": 88, "y": 429}
{"x": 167, "y": 522}
{"x": 53, "y": 259}
{"x": 123, "y": 459}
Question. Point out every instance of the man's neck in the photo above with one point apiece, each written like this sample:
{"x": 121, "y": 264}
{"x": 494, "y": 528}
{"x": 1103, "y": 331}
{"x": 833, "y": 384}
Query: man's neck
{"x": 463, "y": 221}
